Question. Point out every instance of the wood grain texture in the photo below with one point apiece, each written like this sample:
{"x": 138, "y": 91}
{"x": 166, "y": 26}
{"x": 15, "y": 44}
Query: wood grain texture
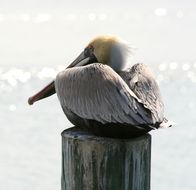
{"x": 96, "y": 163}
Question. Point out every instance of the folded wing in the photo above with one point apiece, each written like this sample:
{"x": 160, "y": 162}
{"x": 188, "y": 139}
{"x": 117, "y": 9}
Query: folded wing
{"x": 97, "y": 92}
{"x": 142, "y": 82}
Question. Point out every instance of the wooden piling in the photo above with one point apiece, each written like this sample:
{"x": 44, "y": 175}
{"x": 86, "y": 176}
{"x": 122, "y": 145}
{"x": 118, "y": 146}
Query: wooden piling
{"x": 97, "y": 163}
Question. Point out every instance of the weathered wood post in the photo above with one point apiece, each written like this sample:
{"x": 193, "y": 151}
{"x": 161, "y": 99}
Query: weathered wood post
{"x": 96, "y": 163}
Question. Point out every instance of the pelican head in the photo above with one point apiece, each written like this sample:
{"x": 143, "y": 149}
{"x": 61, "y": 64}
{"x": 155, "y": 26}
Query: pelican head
{"x": 108, "y": 50}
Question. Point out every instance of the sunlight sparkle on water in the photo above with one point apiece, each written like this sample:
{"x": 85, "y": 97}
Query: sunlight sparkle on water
{"x": 160, "y": 12}
{"x": 162, "y": 67}
{"x": 185, "y": 66}
{"x": 42, "y": 18}
{"x": 173, "y": 65}
{"x": 12, "y": 107}
{"x": 47, "y": 72}
{"x": 102, "y": 16}
{"x": 24, "y": 77}
{"x": 92, "y": 16}
{"x": 191, "y": 76}
{"x": 5, "y": 88}
{"x": 15, "y": 74}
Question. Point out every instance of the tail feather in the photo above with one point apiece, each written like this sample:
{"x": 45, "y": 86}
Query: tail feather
{"x": 166, "y": 124}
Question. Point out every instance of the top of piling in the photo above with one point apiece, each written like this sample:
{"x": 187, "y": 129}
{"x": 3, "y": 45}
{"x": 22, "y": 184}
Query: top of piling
{"x": 82, "y": 134}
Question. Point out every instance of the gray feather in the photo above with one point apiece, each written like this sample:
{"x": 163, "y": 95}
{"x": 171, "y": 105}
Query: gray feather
{"x": 142, "y": 82}
{"x": 97, "y": 92}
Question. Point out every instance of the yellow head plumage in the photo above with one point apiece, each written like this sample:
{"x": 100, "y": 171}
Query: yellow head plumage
{"x": 109, "y": 50}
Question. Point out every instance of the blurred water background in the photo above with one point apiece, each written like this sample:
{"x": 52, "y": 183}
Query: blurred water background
{"x": 40, "y": 38}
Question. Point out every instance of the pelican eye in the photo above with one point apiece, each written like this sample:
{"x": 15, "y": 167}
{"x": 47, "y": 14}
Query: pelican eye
{"x": 88, "y": 51}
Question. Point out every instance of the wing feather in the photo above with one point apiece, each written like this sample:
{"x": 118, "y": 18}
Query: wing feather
{"x": 142, "y": 82}
{"x": 97, "y": 92}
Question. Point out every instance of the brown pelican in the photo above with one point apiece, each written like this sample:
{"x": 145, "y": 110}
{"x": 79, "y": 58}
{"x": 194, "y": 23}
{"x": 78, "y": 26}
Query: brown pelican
{"x": 97, "y": 94}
